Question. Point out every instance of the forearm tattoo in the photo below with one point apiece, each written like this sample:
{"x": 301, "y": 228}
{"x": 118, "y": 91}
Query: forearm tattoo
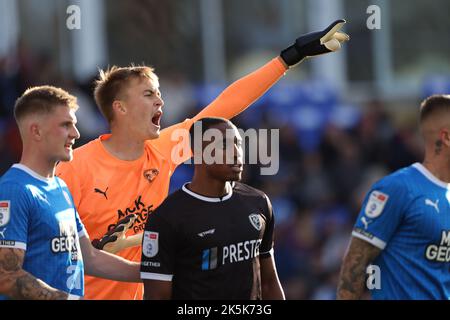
{"x": 28, "y": 287}
{"x": 19, "y": 284}
{"x": 353, "y": 272}
{"x": 9, "y": 261}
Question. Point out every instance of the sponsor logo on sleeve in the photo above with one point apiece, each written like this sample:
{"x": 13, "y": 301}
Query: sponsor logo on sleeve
{"x": 150, "y": 244}
{"x": 375, "y": 204}
{"x": 8, "y": 243}
{"x": 5, "y": 206}
{"x": 364, "y": 233}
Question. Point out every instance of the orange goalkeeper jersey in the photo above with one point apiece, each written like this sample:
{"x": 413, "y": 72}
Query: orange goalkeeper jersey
{"x": 106, "y": 189}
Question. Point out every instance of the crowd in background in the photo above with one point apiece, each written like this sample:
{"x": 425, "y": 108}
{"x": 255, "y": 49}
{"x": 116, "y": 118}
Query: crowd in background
{"x": 330, "y": 153}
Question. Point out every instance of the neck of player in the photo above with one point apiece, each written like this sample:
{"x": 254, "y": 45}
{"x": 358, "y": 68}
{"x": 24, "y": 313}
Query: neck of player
{"x": 40, "y": 165}
{"x": 208, "y": 187}
{"x": 124, "y": 148}
{"x": 439, "y": 166}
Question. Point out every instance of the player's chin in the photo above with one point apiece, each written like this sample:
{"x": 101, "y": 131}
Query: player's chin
{"x": 68, "y": 156}
{"x": 234, "y": 172}
{"x": 234, "y": 176}
{"x": 154, "y": 133}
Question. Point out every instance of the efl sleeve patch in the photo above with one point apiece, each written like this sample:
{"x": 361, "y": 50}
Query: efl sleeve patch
{"x": 4, "y": 212}
{"x": 150, "y": 245}
{"x": 375, "y": 204}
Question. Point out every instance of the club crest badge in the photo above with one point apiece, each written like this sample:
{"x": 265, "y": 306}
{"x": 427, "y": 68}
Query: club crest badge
{"x": 151, "y": 174}
{"x": 255, "y": 220}
{"x": 150, "y": 244}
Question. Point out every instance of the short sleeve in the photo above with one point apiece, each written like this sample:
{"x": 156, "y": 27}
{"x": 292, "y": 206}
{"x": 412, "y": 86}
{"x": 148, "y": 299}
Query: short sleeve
{"x": 158, "y": 248}
{"x": 382, "y": 211}
{"x": 15, "y": 207}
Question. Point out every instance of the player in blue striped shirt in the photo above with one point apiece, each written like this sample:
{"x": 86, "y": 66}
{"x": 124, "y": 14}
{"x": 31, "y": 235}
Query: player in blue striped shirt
{"x": 403, "y": 228}
{"x": 44, "y": 247}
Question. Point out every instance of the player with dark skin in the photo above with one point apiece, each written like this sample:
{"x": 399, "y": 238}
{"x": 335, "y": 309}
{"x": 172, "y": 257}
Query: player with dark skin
{"x": 214, "y": 181}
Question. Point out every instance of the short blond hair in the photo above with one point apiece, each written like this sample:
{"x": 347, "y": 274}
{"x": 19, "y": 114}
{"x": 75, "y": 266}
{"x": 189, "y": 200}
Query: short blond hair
{"x": 42, "y": 100}
{"x": 112, "y": 82}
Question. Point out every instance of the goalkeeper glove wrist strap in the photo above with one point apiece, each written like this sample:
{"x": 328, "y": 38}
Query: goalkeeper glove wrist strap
{"x": 291, "y": 56}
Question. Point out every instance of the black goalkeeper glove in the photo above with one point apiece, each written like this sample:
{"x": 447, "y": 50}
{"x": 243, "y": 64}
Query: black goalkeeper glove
{"x": 315, "y": 43}
{"x": 115, "y": 239}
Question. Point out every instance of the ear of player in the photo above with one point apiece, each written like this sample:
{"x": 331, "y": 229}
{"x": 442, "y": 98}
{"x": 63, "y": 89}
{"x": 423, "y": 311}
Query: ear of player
{"x": 115, "y": 239}
{"x": 315, "y": 43}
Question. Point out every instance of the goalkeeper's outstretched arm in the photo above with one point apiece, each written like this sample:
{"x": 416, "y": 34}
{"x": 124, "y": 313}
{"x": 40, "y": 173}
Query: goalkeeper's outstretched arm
{"x": 243, "y": 92}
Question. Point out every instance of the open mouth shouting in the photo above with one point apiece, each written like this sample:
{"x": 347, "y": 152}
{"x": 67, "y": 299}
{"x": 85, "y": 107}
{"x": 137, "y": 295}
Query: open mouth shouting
{"x": 156, "y": 119}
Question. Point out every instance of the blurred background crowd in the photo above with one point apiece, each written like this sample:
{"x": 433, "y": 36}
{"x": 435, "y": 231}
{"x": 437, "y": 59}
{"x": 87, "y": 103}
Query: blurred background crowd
{"x": 345, "y": 120}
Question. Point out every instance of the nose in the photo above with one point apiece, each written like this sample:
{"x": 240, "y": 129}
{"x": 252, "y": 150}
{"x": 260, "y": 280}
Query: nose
{"x": 160, "y": 102}
{"x": 238, "y": 154}
{"x": 75, "y": 134}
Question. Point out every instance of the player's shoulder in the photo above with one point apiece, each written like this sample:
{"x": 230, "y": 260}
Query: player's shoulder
{"x": 399, "y": 178}
{"x": 14, "y": 177}
{"x": 15, "y": 183}
{"x": 87, "y": 150}
{"x": 248, "y": 191}
{"x": 176, "y": 196}
{"x": 9, "y": 176}
{"x": 175, "y": 203}
{"x": 61, "y": 182}
{"x": 83, "y": 158}
{"x": 168, "y": 136}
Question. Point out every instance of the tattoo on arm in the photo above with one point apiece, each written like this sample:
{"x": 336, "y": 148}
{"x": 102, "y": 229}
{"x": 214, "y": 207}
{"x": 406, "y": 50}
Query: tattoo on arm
{"x": 16, "y": 283}
{"x": 28, "y": 287}
{"x": 10, "y": 261}
{"x": 353, "y": 273}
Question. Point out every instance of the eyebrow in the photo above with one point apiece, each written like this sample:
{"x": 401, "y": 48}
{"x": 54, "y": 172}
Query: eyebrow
{"x": 65, "y": 121}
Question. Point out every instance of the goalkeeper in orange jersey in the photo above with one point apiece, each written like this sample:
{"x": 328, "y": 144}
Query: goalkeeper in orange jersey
{"x": 128, "y": 171}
